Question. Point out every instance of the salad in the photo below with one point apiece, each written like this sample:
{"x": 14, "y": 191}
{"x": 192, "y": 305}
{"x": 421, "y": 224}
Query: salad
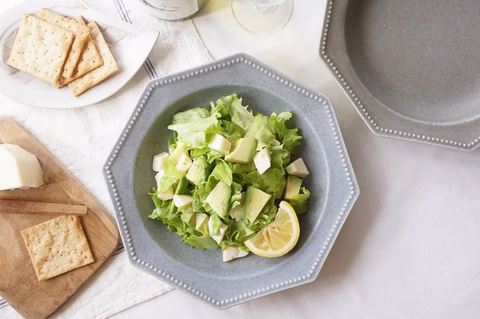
{"x": 223, "y": 177}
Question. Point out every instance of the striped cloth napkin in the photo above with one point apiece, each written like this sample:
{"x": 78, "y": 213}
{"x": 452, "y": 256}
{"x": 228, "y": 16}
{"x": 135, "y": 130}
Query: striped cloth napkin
{"x": 82, "y": 139}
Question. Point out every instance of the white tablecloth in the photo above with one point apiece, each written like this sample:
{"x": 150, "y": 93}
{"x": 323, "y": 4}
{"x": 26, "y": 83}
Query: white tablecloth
{"x": 82, "y": 139}
{"x": 409, "y": 248}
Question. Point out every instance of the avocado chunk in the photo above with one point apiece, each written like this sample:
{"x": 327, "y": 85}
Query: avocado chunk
{"x": 198, "y": 171}
{"x": 255, "y": 200}
{"x": 219, "y": 199}
{"x": 293, "y": 186}
{"x": 244, "y": 151}
{"x": 189, "y": 217}
{"x": 201, "y": 223}
{"x": 279, "y": 194}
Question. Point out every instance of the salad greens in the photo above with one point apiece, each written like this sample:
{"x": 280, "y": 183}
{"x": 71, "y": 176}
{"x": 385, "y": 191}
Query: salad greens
{"x": 216, "y": 155}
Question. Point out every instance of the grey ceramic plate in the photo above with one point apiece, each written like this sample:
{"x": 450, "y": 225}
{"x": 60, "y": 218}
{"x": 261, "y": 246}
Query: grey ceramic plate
{"x": 411, "y": 68}
{"x": 154, "y": 249}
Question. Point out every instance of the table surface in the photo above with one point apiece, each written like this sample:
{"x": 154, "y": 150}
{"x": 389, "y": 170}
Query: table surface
{"x": 409, "y": 248}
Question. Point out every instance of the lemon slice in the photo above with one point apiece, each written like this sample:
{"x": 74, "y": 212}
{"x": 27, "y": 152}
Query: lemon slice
{"x": 279, "y": 237}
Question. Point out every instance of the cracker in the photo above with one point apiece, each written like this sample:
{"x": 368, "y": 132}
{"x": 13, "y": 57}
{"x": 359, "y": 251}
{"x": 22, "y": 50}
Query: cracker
{"x": 98, "y": 75}
{"x": 40, "y": 49}
{"x": 81, "y": 32}
{"x": 89, "y": 61}
{"x": 57, "y": 246}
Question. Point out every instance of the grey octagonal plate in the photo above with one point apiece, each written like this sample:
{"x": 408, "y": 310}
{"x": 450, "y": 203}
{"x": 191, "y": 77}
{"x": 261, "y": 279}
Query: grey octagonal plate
{"x": 411, "y": 68}
{"x": 154, "y": 249}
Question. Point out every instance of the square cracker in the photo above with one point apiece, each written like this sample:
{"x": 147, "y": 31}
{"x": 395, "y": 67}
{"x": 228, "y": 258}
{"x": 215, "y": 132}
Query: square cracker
{"x": 81, "y": 31}
{"x": 40, "y": 49}
{"x": 89, "y": 60}
{"x": 57, "y": 246}
{"x": 109, "y": 66}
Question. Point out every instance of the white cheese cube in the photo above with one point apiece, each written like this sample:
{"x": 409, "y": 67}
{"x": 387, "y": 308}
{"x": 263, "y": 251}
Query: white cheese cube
{"x": 298, "y": 168}
{"x": 182, "y": 200}
{"x": 223, "y": 229}
{"x": 232, "y": 252}
{"x": 275, "y": 142}
{"x": 220, "y": 143}
{"x": 158, "y": 159}
{"x": 177, "y": 153}
{"x": 184, "y": 163}
{"x": 19, "y": 168}
{"x": 262, "y": 161}
{"x": 236, "y": 212}
{"x": 167, "y": 195}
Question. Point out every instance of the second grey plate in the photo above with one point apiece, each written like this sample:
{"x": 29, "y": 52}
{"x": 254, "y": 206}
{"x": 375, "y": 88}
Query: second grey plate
{"x": 410, "y": 67}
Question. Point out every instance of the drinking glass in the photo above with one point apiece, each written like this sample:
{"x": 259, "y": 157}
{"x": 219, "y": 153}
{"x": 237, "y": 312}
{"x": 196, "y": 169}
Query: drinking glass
{"x": 262, "y": 16}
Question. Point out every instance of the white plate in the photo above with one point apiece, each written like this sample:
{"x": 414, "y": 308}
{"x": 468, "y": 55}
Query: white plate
{"x": 129, "y": 44}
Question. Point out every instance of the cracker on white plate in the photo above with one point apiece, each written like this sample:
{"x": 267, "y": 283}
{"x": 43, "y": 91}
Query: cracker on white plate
{"x": 98, "y": 75}
{"x": 57, "y": 246}
{"x": 40, "y": 49}
{"x": 89, "y": 60}
{"x": 81, "y": 32}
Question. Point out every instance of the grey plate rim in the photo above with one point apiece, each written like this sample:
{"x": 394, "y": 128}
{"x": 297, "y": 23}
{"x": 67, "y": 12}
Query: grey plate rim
{"x": 381, "y": 120}
{"x": 341, "y": 216}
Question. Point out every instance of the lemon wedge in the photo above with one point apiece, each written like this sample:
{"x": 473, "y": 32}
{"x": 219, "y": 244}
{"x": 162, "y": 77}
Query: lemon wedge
{"x": 279, "y": 237}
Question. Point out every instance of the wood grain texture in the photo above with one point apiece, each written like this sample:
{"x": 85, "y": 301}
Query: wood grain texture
{"x": 18, "y": 282}
{"x": 8, "y": 206}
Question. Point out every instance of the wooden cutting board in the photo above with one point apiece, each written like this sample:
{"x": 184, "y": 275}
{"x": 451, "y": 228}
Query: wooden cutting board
{"x": 18, "y": 283}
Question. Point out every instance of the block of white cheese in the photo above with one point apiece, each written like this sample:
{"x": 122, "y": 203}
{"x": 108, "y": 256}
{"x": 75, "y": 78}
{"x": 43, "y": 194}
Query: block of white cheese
{"x": 220, "y": 143}
{"x": 298, "y": 168}
{"x": 19, "y": 168}
{"x": 232, "y": 252}
{"x": 158, "y": 159}
{"x": 184, "y": 163}
{"x": 236, "y": 212}
{"x": 223, "y": 229}
{"x": 182, "y": 200}
{"x": 262, "y": 161}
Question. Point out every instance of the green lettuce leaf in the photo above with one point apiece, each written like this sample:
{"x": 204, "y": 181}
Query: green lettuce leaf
{"x": 262, "y": 131}
{"x": 280, "y": 157}
{"x": 195, "y": 127}
{"x": 171, "y": 176}
{"x": 236, "y": 198}
{"x": 232, "y": 131}
{"x": 200, "y": 241}
{"x": 266, "y": 216}
{"x": 239, "y": 114}
{"x": 183, "y": 186}
{"x": 237, "y": 234}
{"x": 271, "y": 181}
{"x": 216, "y": 222}
{"x": 300, "y": 201}
{"x": 288, "y": 137}
{"x": 199, "y": 196}
{"x": 222, "y": 172}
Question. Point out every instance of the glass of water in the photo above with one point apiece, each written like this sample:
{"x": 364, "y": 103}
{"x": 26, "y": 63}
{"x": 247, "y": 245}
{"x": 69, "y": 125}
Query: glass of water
{"x": 262, "y": 16}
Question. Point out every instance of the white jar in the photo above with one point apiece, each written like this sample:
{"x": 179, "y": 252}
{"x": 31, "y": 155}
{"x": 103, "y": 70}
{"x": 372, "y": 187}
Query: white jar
{"x": 172, "y": 9}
